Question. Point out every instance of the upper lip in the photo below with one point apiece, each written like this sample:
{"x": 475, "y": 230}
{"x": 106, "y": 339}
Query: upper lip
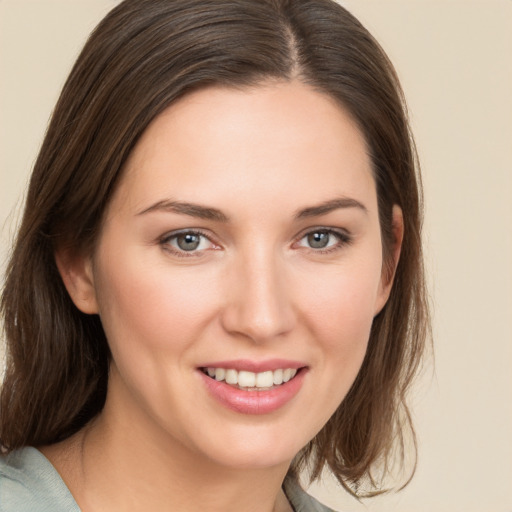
{"x": 254, "y": 366}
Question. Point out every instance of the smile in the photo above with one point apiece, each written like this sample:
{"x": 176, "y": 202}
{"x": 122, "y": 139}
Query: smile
{"x": 266, "y": 389}
{"x": 251, "y": 381}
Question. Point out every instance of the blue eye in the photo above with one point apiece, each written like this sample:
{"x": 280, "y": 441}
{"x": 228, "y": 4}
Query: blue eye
{"x": 187, "y": 242}
{"x": 321, "y": 239}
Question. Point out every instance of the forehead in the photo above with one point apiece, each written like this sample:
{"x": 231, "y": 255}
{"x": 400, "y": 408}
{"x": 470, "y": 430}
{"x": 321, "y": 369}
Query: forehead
{"x": 267, "y": 142}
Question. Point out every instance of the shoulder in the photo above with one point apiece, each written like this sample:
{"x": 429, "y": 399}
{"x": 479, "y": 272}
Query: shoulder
{"x": 28, "y": 482}
{"x": 301, "y": 501}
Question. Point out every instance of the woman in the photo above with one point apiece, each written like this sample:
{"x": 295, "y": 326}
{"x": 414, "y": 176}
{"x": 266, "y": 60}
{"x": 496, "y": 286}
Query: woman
{"x": 218, "y": 280}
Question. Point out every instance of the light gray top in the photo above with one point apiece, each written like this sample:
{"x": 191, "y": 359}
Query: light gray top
{"x": 29, "y": 483}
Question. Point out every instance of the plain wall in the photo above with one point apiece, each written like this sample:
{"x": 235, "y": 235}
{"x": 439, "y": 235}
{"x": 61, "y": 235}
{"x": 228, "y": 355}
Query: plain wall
{"x": 455, "y": 62}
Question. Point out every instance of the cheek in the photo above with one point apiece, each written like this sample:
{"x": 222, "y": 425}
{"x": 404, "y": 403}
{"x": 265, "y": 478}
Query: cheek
{"x": 344, "y": 301}
{"x": 338, "y": 311}
{"x": 146, "y": 307}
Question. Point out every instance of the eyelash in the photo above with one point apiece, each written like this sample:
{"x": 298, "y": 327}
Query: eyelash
{"x": 343, "y": 239}
{"x": 165, "y": 242}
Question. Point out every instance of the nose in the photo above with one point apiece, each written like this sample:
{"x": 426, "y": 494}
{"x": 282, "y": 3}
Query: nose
{"x": 258, "y": 302}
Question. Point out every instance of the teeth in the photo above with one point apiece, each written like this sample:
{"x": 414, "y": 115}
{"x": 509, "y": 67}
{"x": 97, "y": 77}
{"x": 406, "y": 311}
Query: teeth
{"x": 231, "y": 377}
{"x": 278, "y": 377}
{"x": 264, "y": 380}
{"x": 244, "y": 379}
{"x": 288, "y": 374}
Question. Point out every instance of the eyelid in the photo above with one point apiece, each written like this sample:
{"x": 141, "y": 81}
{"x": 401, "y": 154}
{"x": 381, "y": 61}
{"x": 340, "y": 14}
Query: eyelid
{"x": 342, "y": 232}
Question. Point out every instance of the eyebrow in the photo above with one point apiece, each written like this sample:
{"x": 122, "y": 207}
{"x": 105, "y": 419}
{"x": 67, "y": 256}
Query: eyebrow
{"x": 329, "y": 206}
{"x": 209, "y": 213}
{"x": 183, "y": 208}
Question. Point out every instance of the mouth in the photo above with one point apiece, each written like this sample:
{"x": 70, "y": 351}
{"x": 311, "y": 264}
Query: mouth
{"x": 252, "y": 381}
{"x": 253, "y": 387}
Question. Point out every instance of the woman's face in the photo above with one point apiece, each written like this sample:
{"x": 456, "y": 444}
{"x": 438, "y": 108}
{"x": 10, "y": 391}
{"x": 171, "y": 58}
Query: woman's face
{"x": 241, "y": 248}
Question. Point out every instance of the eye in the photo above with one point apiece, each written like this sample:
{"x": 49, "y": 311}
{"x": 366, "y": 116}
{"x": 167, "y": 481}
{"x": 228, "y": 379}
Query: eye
{"x": 324, "y": 239}
{"x": 184, "y": 242}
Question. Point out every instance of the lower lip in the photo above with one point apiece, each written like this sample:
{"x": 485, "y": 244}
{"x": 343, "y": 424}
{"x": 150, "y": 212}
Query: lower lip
{"x": 254, "y": 402}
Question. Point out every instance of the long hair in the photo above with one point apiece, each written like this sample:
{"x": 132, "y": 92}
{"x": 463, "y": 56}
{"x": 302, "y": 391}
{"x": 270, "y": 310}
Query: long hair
{"x": 145, "y": 55}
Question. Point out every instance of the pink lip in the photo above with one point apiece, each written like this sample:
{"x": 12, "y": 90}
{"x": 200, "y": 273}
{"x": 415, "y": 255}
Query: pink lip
{"x": 253, "y": 402}
{"x": 254, "y": 366}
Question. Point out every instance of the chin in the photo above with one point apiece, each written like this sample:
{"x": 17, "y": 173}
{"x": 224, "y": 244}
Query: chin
{"x": 255, "y": 448}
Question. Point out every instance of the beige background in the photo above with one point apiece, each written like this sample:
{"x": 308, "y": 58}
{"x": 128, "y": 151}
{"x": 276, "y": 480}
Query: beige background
{"x": 455, "y": 62}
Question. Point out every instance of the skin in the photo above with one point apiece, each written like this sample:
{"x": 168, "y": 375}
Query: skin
{"x": 254, "y": 289}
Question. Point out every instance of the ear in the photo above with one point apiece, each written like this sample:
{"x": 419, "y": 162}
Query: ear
{"x": 389, "y": 267}
{"x": 76, "y": 271}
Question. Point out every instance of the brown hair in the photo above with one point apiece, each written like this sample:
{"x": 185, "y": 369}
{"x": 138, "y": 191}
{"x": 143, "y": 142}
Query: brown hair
{"x": 145, "y": 55}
